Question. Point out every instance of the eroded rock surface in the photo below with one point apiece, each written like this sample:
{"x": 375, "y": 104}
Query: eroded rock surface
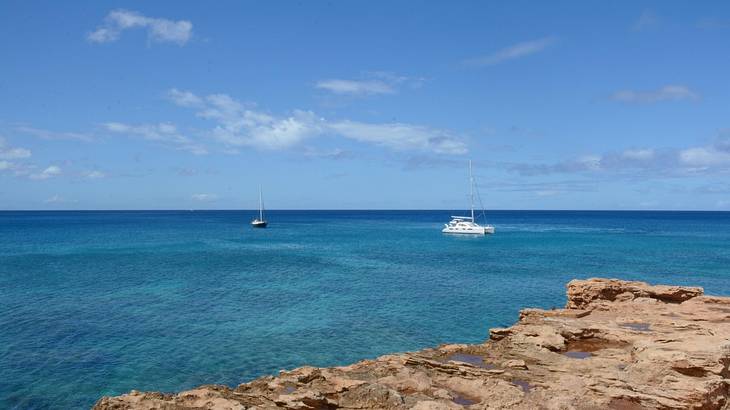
{"x": 618, "y": 344}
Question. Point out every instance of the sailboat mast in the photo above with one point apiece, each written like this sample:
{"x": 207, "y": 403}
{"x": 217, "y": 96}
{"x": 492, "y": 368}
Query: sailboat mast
{"x": 471, "y": 191}
{"x": 261, "y": 205}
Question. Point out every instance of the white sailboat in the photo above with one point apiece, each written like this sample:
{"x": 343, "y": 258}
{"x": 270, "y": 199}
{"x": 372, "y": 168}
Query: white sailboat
{"x": 260, "y": 222}
{"x": 467, "y": 224}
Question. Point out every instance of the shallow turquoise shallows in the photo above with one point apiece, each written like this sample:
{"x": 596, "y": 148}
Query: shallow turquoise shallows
{"x": 99, "y": 303}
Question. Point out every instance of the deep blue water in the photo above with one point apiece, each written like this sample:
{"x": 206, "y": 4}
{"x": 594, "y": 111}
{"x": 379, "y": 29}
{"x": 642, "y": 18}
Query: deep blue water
{"x": 99, "y": 303}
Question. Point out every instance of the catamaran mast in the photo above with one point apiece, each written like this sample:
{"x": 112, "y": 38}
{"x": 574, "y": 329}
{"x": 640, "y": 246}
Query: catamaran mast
{"x": 471, "y": 191}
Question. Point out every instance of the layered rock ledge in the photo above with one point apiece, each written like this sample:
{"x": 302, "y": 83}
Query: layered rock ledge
{"x": 617, "y": 344}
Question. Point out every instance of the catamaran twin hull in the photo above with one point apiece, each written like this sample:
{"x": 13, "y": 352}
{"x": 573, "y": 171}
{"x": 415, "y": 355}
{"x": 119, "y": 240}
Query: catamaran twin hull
{"x": 474, "y": 231}
{"x": 466, "y": 225}
{"x": 482, "y": 230}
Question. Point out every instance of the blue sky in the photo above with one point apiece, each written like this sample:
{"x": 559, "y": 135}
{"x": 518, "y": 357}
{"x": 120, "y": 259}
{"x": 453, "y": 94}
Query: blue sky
{"x": 191, "y": 105}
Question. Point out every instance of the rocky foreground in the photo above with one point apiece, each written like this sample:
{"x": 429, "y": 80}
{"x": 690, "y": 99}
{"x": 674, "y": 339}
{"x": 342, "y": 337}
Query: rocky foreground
{"x": 617, "y": 344}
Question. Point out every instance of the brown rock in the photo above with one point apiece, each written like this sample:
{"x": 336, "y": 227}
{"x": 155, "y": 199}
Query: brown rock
{"x": 515, "y": 364}
{"x": 582, "y": 293}
{"x": 499, "y": 333}
{"x": 618, "y": 345}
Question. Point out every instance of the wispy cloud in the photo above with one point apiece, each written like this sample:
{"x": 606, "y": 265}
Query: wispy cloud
{"x": 547, "y": 192}
{"x": 15, "y": 161}
{"x": 515, "y": 51}
{"x": 355, "y": 87}
{"x": 648, "y": 20}
{"x": 334, "y": 153}
{"x": 54, "y": 135}
{"x": 712, "y": 23}
{"x": 164, "y": 133}
{"x": 401, "y": 137}
{"x": 709, "y": 159}
{"x": 665, "y": 93}
{"x": 639, "y": 154}
{"x": 239, "y": 125}
{"x": 50, "y": 172}
{"x": 544, "y": 188}
{"x": 189, "y": 171}
{"x": 380, "y": 82}
{"x": 8, "y": 152}
{"x": 11, "y": 159}
{"x": 204, "y": 197}
{"x": 58, "y": 199}
{"x": 94, "y": 174}
{"x": 158, "y": 29}
{"x": 581, "y": 164}
{"x": 27, "y": 170}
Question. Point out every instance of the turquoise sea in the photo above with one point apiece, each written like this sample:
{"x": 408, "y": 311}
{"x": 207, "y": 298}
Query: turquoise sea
{"x": 99, "y": 303}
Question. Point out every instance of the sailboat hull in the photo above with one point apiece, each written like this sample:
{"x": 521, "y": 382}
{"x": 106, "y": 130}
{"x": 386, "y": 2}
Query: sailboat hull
{"x": 260, "y": 222}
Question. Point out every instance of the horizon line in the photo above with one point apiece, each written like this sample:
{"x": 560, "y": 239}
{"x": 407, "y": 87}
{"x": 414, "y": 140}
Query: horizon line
{"x": 355, "y": 209}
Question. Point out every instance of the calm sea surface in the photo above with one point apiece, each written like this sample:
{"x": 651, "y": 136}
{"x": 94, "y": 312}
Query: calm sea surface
{"x": 99, "y": 303}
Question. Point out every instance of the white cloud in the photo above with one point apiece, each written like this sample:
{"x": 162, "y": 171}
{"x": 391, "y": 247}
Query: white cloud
{"x": 158, "y": 29}
{"x": 704, "y": 156}
{"x": 16, "y": 168}
{"x": 355, "y": 87}
{"x": 374, "y": 83}
{"x": 639, "y": 154}
{"x": 14, "y": 153}
{"x": 94, "y": 174}
{"x": 666, "y": 93}
{"x": 7, "y": 152}
{"x": 184, "y": 98}
{"x": 709, "y": 159}
{"x": 512, "y": 52}
{"x": 164, "y": 133}
{"x": 250, "y": 128}
{"x": 50, "y": 172}
{"x": 205, "y": 197}
{"x": 714, "y": 155}
{"x": 23, "y": 169}
{"x": 53, "y": 135}
{"x": 58, "y": 199}
{"x": 238, "y": 125}
{"x": 400, "y": 136}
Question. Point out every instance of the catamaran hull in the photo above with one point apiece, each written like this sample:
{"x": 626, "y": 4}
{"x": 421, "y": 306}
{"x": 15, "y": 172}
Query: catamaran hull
{"x": 486, "y": 230}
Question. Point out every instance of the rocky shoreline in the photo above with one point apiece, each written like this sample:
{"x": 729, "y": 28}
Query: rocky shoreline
{"x": 617, "y": 344}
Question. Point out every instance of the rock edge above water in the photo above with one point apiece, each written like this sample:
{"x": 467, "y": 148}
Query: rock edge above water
{"x": 617, "y": 344}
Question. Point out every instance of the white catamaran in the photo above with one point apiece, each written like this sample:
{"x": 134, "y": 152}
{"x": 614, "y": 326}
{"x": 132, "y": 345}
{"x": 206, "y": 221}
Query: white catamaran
{"x": 467, "y": 224}
{"x": 260, "y": 222}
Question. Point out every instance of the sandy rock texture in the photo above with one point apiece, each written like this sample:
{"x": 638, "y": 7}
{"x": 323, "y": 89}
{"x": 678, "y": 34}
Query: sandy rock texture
{"x": 616, "y": 345}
